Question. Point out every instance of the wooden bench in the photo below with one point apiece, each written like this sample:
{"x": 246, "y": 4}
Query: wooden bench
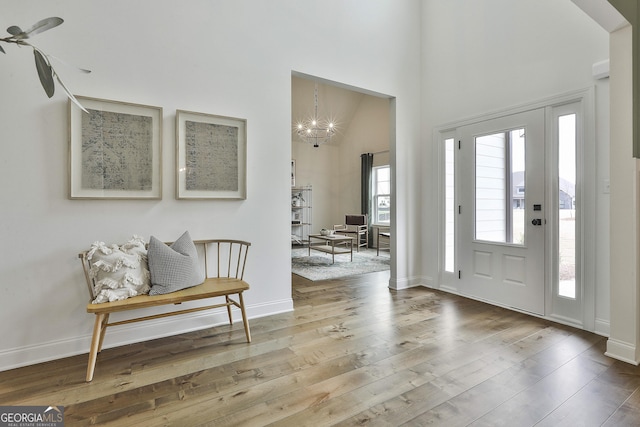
{"x": 223, "y": 261}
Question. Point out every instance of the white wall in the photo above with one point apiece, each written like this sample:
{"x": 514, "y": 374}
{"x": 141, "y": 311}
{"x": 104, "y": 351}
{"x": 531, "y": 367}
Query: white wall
{"x": 225, "y": 57}
{"x": 317, "y": 166}
{"x": 482, "y": 57}
{"x": 368, "y": 133}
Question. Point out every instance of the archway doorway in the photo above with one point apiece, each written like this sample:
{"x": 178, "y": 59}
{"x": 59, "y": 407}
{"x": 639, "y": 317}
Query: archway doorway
{"x": 330, "y": 174}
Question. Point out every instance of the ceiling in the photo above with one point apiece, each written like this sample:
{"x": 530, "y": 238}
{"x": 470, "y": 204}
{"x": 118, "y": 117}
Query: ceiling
{"x": 603, "y": 13}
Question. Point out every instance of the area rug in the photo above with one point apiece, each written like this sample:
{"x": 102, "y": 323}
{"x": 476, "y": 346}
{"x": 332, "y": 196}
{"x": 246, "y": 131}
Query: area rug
{"x": 318, "y": 266}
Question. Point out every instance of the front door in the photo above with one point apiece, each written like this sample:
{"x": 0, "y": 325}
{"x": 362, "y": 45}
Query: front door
{"x": 501, "y": 211}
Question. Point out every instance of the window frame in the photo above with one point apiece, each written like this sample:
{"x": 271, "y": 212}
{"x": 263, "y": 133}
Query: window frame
{"x": 376, "y": 196}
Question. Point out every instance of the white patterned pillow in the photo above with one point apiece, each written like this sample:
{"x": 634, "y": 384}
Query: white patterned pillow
{"x": 119, "y": 272}
{"x": 173, "y": 267}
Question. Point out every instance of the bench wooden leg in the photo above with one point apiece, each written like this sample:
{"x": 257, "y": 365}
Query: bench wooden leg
{"x": 105, "y": 320}
{"x": 229, "y": 309}
{"x": 99, "y": 328}
{"x": 244, "y": 318}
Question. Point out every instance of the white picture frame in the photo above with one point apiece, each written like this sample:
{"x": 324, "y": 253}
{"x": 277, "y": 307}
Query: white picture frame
{"x": 115, "y": 151}
{"x": 211, "y": 156}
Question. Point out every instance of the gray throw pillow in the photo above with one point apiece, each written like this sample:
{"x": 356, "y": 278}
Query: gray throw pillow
{"x": 173, "y": 267}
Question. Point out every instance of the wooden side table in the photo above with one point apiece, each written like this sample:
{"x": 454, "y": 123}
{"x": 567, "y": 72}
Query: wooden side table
{"x": 330, "y": 247}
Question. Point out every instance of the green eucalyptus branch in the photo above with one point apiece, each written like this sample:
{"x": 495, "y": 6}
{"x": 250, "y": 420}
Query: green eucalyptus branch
{"x": 46, "y": 72}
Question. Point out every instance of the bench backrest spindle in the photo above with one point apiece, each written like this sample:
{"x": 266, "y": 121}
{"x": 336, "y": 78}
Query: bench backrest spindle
{"x": 86, "y": 267}
{"x": 230, "y": 256}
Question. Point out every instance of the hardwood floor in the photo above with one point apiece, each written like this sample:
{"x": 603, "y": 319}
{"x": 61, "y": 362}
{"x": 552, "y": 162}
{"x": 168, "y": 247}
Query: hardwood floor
{"x": 352, "y": 353}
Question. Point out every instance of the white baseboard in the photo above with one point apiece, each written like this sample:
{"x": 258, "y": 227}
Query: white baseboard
{"x": 602, "y": 327}
{"x": 623, "y": 351}
{"x": 450, "y": 289}
{"x": 563, "y": 320}
{"x": 410, "y": 282}
{"x": 135, "y": 332}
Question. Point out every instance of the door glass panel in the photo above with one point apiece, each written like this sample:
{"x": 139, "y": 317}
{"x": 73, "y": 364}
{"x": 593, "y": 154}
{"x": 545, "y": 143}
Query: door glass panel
{"x": 500, "y": 187}
{"x": 516, "y": 138}
{"x": 449, "y": 205}
{"x": 491, "y": 188}
{"x": 566, "y": 205}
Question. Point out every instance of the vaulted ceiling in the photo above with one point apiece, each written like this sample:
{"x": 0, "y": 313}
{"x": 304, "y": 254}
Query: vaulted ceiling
{"x": 334, "y": 103}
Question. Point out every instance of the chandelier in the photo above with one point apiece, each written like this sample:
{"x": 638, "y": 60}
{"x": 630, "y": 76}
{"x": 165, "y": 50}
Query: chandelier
{"x": 314, "y": 130}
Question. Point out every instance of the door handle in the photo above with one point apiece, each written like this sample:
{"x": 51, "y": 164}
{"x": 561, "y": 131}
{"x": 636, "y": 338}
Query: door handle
{"x": 536, "y": 221}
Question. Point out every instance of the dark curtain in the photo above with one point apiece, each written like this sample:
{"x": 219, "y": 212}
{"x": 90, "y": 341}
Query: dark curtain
{"x": 366, "y": 161}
